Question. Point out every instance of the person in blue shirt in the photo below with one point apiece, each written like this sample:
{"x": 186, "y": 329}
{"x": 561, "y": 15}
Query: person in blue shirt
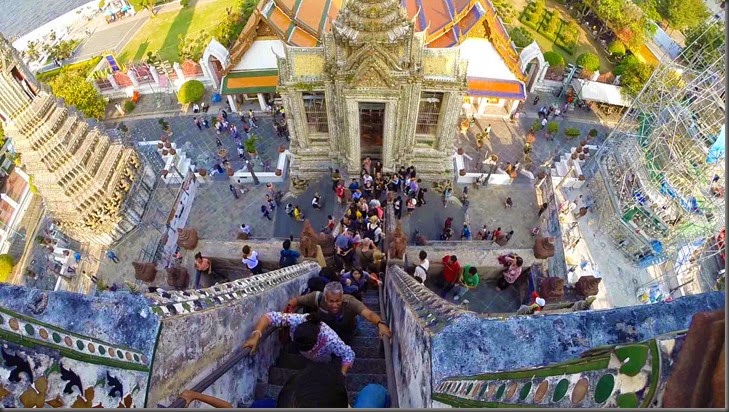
{"x": 288, "y": 256}
{"x": 354, "y": 185}
{"x": 466, "y": 232}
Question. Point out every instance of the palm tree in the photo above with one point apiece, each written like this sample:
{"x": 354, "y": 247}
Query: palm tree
{"x": 149, "y": 5}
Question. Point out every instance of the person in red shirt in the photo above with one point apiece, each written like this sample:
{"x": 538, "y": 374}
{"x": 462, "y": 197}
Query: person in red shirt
{"x": 451, "y": 271}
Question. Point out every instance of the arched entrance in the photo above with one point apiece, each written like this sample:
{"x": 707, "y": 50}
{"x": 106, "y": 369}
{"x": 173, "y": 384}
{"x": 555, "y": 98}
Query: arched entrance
{"x": 526, "y": 64}
{"x": 214, "y": 59}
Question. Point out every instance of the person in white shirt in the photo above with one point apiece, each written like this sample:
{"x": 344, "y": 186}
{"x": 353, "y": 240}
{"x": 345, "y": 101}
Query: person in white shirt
{"x": 250, "y": 258}
{"x": 245, "y": 230}
{"x": 421, "y": 269}
{"x": 366, "y": 178}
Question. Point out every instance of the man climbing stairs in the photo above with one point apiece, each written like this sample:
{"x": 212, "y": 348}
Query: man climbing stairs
{"x": 369, "y": 365}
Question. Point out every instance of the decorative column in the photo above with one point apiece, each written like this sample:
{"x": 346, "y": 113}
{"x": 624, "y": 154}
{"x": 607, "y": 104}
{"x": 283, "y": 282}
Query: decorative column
{"x": 233, "y": 105}
{"x": 447, "y": 132}
{"x": 262, "y": 101}
{"x": 155, "y": 75}
{"x": 178, "y": 70}
{"x": 133, "y": 78}
{"x": 352, "y": 137}
{"x": 542, "y": 73}
{"x": 113, "y": 82}
{"x": 389, "y": 134}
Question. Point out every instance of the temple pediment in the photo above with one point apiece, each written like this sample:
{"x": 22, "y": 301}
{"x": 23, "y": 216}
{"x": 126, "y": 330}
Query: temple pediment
{"x": 371, "y": 52}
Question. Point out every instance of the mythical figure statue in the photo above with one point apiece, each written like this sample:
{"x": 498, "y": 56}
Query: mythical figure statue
{"x": 187, "y": 238}
{"x": 308, "y": 240}
{"x": 587, "y": 285}
{"x": 552, "y": 288}
{"x": 146, "y": 272}
{"x": 178, "y": 277}
{"x": 543, "y": 247}
{"x": 398, "y": 242}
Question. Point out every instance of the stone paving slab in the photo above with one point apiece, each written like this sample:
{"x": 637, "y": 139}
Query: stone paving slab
{"x": 109, "y": 40}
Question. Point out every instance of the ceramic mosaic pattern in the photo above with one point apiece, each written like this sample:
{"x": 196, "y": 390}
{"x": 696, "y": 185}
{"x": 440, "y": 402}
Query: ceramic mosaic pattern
{"x": 171, "y": 303}
{"x": 45, "y": 365}
{"x": 27, "y": 331}
{"x": 625, "y": 376}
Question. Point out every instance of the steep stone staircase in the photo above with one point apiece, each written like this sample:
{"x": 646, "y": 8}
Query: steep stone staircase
{"x": 369, "y": 364}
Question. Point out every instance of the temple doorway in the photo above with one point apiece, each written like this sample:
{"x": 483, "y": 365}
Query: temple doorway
{"x": 371, "y": 128}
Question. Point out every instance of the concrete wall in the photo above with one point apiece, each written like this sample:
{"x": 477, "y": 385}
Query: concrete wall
{"x": 195, "y": 343}
{"x": 485, "y": 259}
{"x": 411, "y": 344}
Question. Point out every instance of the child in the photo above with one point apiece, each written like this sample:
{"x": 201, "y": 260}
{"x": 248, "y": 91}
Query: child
{"x": 508, "y": 204}
{"x": 297, "y": 213}
{"x": 316, "y": 202}
{"x": 290, "y": 210}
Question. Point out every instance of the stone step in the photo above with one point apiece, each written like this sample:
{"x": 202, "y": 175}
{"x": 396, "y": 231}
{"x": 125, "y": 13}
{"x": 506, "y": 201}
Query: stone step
{"x": 361, "y": 364}
{"x": 271, "y": 392}
{"x": 355, "y": 381}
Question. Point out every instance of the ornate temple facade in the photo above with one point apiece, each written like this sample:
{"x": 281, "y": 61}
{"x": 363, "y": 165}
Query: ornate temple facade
{"x": 94, "y": 188}
{"x": 372, "y": 89}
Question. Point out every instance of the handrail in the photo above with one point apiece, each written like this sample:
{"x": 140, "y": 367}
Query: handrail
{"x": 218, "y": 372}
{"x": 389, "y": 369}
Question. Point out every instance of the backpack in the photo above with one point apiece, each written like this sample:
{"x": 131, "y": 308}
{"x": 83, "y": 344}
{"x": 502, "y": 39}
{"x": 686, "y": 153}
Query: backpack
{"x": 285, "y": 261}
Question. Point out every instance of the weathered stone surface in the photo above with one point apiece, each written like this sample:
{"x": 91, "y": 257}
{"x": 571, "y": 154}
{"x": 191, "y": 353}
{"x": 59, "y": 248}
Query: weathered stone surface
{"x": 554, "y": 338}
{"x": 692, "y": 383}
{"x": 468, "y": 253}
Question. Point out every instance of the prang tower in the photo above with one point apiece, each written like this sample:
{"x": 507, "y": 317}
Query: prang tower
{"x": 95, "y": 188}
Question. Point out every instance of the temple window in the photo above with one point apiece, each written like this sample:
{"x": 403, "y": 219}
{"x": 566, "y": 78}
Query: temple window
{"x": 315, "y": 107}
{"x": 428, "y": 113}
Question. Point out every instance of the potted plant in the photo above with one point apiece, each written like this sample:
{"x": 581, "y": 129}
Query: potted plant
{"x": 165, "y": 126}
{"x": 572, "y": 132}
{"x": 552, "y": 128}
{"x": 160, "y": 145}
{"x": 250, "y": 145}
{"x": 592, "y": 134}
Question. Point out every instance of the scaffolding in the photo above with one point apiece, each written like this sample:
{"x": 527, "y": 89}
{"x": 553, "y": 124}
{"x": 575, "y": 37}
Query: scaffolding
{"x": 658, "y": 189}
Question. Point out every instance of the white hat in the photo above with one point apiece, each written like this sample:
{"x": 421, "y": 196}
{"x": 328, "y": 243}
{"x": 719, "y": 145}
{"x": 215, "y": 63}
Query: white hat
{"x": 541, "y": 302}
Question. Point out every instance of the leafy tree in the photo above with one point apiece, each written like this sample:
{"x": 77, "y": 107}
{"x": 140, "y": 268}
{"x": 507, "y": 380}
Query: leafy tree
{"x": 617, "y": 48}
{"x": 704, "y": 45}
{"x": 2, "y": 135}
{"x": 628, "y": 61}
{"x": 588, "y": 61}
{"x": 554, "y": 59}
{"x": 686, "y": 14}
{"x": 635, "y": 77}
{"x": 192, "y": 46}
{"x": 6, "y": 266}
{"x": 147, "y": 4}
{"x": 521, "y": 37}
{"x": 651, "y": 8}
{"x": 76, "y": 91}
{"x": 32, "y": 51}
{"x": 61, "y": 50}
{"x": 191, "y": 91}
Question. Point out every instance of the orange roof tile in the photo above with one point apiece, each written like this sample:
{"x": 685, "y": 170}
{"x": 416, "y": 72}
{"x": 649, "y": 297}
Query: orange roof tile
{"x": 412, "y": 7}
{"x": 286, "y": 5}
{"x": 460, "y": 5}
{"x": 473, "y": 17}
{"x": 301, "y": 38}
{"x": 436, "y": 14}
{"x": 333, "y": 13}
{"x": 446, "y": 40}
{"x": 279, "y": 20}
{"x": 311, "y": 12}
{"x": 483, "y": 87}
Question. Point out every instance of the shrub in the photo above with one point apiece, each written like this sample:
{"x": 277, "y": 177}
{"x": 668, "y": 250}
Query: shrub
{"x": 589, "y": 61}
{"x": 184, "y": 3}
{"x": 617, "y": 48}
{"x": 521, "y": 37}
{"x": 129, "y": 106}
{"x": 554, "y": 23}
{"x": 554, "y": 58}
{"x": 592, "y": 133}
{"x": 571, "y": 132}
{"x": 628, "y": 62}
{"x": 6, "y": 266}
{"x": 191, "y": 91}
{"x": 552, "y": 127}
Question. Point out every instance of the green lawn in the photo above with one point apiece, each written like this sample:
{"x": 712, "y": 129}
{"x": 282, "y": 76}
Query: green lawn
{"x": 160, "y": 32}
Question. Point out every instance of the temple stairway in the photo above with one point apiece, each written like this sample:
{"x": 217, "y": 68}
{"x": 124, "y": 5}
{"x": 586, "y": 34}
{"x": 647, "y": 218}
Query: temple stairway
{"x": 369, "y": 363}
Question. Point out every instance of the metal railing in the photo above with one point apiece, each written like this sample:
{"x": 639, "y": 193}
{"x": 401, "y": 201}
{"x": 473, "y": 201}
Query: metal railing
{"x": 216, "y": 374}
{"x": 389, "y": 369}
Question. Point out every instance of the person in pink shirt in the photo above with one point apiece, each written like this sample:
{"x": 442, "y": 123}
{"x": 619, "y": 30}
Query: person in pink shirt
{"x": 314, "y": 339}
